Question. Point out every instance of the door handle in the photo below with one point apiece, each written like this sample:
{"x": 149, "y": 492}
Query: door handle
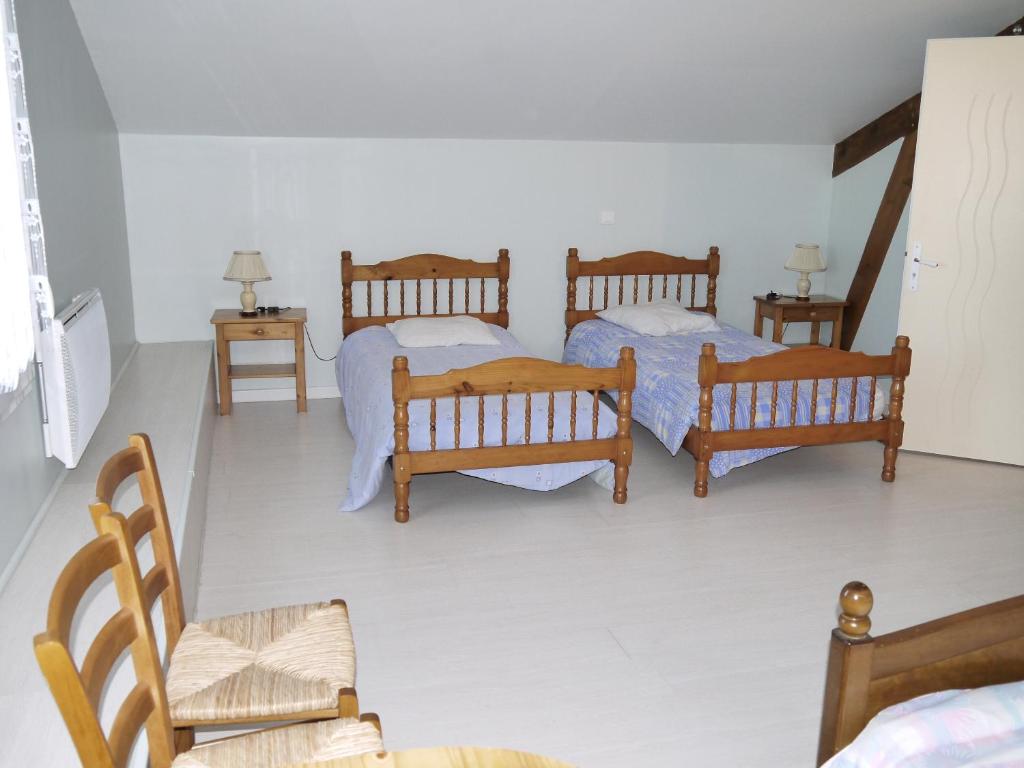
{"x": 916, "y": 263}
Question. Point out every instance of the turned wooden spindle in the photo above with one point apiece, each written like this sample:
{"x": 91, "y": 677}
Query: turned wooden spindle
{"x": 707, "y": 372}
{"x": 596, "y": 409}
{"x": 650, "y": 288}
{"x": 551, "y": 417}
{"x": 433, "y": 424}
{"x": 435, "y": 295}
{"x": 636, "y": 289}
{"x": 572, "y": 418}
{"x": 528, "y": 418}
{"x": 775, "y": 403}
{"x": 483, "y": 294}
{"x": 418, "y": 297}
{"x": 590, "y": 293}
{"x": 814, "y": 403}
{"x": 835, "y": 400}
{"x": 346, "y": 285}
{"x": 400, "y": 388}
{"x": 606, "y": 281}
{"x": 572, "y": 271}
{"x": 664, "y": 286}
{"x": 466, "y": 286}
{"x": 504, "y": 268}
{"x": 385, "y": 298}
{"x": 693, "y": 291}
{"x": 451, "y": 296}
{"x": 401, "y": 297}
{"x": 793, "y": 402}
{"x": 679, "y": 287}
{"x": 480, "y": 422}
{"x": 458, "y": 421}
{"x": 753, "y": 405}
{"x": 901, "y": 368}
{"x": 853, "y": 401}
{"x": 369, "y": 299}
{"x": 623, "y": 423}
{"x": 622, "y": 284}
{"x": 855, "y": 603}
{"x": 732, "y": 408}
{"x": 713, "y": 260}
{"x": 504, "y": 418}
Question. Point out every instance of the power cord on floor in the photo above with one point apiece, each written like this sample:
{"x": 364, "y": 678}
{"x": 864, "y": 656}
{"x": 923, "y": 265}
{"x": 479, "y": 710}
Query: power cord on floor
{"x": 315, "y": 353}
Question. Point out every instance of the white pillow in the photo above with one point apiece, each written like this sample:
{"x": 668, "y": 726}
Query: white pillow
{"x": 441, "y": 331}
{"x": 660, "y": 318}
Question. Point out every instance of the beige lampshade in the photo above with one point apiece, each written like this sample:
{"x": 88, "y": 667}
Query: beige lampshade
{"x": 246, "y": 266}
{"x": 806, "y": 258}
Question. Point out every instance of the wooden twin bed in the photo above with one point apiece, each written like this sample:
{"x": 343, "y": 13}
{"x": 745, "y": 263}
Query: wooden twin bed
{"x": 659, "y": 275}
{"x": 975, "y": 648}
{"x": 433, "y": 285}
{"x": 535, "y": 378}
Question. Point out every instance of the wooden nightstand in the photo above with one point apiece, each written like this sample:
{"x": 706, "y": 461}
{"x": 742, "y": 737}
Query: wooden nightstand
{"x": 816, "y": 310}
{"x": 285, "y": 326}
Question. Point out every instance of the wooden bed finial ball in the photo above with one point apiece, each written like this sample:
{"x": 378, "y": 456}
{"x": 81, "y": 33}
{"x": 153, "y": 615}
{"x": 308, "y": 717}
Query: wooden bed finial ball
{"x": 855, "y": 602}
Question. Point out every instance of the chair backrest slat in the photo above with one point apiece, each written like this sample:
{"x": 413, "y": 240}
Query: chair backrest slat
{"x": 131, "y": 717}
{"x": 117, "y": 634}
{"x": 138, "y": 460}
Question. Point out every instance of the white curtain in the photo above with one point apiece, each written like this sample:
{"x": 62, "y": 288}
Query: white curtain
{"x": 23, "y": 284}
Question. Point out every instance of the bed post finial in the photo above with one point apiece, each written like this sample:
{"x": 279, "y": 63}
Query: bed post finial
{"x": 572, "y": 271}
{"x": 713, "y": 258}
{"x": 503, "y": 272}
{"x": 346, "y": 291}
{"x": 400, "y": 394}
{"x": 855, "y": 603}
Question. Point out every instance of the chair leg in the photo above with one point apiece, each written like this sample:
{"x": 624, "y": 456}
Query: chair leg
{"x": 348, "y": 703}
{"x": 621, "y": 476}
{"x": 700, "y": 484}
{"x": 889, "y": 463}
{"x": 401, "y": 502}
{"x": 184, "y": 739}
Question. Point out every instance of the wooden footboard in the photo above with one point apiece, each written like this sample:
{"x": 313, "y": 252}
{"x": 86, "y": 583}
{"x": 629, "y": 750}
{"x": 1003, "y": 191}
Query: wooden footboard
{"x": 975, "y": 648}
{"x": 824, "y": 367}
{"x": 516, "y": 375}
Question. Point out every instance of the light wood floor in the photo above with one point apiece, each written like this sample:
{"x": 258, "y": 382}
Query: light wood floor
{"x": 671, "y": 631}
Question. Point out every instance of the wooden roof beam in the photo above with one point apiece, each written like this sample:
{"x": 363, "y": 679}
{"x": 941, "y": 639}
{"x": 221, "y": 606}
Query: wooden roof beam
{"x": 895, "y": 124}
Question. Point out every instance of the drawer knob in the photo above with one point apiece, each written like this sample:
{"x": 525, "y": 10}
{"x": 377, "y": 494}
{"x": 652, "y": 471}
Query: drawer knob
{"x": 813, "y": 313}
{"x": 260, "y": 331}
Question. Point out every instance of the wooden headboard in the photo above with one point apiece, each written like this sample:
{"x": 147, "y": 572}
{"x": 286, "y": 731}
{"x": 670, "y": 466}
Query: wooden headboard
{"x": 638, "y": 264}
{"x": 982, "y": 646}
{"x": 432, "y": 267}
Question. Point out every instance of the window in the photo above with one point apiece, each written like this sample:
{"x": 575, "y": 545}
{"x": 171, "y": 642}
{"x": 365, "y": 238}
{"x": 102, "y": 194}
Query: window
{"x": 22, "y": 255}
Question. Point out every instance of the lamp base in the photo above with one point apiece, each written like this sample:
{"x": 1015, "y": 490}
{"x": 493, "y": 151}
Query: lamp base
{"x": 803, "y": 287}
{"x": 243, "y": 313}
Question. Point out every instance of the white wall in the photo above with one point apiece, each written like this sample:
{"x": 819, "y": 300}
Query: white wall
{"x": 856, "y": 195}
{"x": 192, "y": 200}
{"x": 79, "y": 175}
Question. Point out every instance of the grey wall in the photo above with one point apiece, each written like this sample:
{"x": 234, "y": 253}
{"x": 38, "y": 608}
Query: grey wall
{"x": 78, "y": 166}
{"x": 856, "y": 195}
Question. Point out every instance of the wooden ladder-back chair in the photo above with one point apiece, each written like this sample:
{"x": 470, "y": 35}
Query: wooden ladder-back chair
{"x": 78, "y": 688}
{"x": 280, "y": 664}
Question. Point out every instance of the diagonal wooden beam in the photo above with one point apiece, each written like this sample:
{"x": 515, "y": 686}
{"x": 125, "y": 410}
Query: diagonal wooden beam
{"x": 893, "y": 125}
{"x": 876, "y": 135}
{"x": 894, "y": 200}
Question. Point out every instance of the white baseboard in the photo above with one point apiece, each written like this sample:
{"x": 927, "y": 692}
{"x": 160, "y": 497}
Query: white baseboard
{"x": 283, "y": 393}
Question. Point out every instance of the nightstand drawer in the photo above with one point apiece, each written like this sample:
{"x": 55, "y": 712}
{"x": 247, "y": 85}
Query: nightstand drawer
{"x": 258, "y": 331}
{"x": 803, "y": 314}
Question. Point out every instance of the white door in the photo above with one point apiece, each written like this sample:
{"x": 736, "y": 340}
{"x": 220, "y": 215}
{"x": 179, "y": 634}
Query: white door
{"x": 965, "y": 317}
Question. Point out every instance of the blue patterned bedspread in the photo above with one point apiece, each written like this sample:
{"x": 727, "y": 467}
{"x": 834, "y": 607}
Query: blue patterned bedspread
{"x": 666, "y": 396}
{"x": 363, "y": 370}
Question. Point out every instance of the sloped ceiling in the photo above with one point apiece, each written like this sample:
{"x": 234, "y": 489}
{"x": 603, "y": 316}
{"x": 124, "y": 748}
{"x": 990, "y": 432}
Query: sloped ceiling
{"x": 790, "y": 71}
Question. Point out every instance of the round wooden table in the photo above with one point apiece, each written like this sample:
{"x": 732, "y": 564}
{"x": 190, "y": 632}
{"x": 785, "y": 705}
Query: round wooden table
{"x": 442, "y": 757}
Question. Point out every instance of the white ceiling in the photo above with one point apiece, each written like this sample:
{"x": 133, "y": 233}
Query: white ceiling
{"x": 791, "y": 71}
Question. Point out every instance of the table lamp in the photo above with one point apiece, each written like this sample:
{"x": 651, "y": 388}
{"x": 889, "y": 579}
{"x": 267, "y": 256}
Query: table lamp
{"x": 247, "y": 267}
{"x": 806, "y": 258}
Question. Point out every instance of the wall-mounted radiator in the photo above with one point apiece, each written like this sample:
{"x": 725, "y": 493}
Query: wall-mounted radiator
{"x": 76, "y": 376}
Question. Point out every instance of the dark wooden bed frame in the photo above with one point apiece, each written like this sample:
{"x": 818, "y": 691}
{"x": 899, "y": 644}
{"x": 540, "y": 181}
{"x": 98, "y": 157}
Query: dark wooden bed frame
{"x": 810, "y": 363}
{"x": 975, "y": 648}
{"x": 533, "y": 377}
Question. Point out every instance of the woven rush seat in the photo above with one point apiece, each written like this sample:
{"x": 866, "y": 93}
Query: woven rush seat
{"x": 264, "y": 664}
{"x": 303, "y": 743}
